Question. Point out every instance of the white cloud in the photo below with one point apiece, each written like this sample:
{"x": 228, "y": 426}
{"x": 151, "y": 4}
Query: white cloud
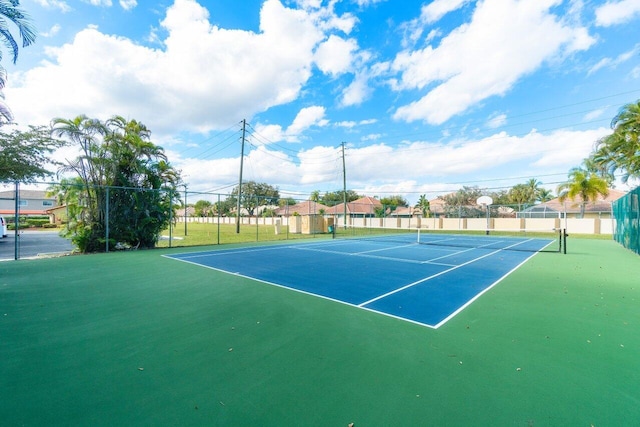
{"x": 204, "y": 77}
{"x": 364, "y": 3}
{"x": 612, "y": 63}
{"x": 54, "y": 4}
{"x": 52, "y": 31}
{"x": 128, "y": 4}
{"x": 335, "y": 55}
{"x": 617, "y": 12}
{"x": 99, "y": 2}
{"x": 435, "y": 10}
{"x": 593, "y": 115}
{"x": 416, "y": 166}
{"x": 305, "y": 119}
{"x": 504, "y": 41}
{"x": 497, "y": 121}
{"x": 356, "y": 92}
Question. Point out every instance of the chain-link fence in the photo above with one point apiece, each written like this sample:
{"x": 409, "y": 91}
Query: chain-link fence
{"x": 626, "y": 211}
{"x": 109, "y": 218}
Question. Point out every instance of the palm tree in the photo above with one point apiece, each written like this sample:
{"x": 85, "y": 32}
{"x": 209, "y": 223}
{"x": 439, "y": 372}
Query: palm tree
{"x": 520, "y": 194}
{"x": 11, "y": 13}
{"x": 533, "y": 185}
{"x": 544, "y": 195}
{"x": 620, "y": 150}
{"x": 588, "y": 186}
{"x": 423, "y": 205}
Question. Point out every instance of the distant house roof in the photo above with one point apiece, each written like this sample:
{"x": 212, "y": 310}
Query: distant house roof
{"x": 7, "y": 202}
{"x": 363, "y": 206}
{"x": 601, "y": 204}
{"x": 436, "y": 206}
{"x": 308, "y": 207}
{"x": 190, "y": 211}
{"x": 405, "y": 211}
{"x": 27, "y": 195}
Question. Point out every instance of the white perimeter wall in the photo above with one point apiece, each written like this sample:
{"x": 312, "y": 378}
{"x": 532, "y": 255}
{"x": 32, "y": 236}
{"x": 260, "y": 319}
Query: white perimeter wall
{"x": 572, "y": 225}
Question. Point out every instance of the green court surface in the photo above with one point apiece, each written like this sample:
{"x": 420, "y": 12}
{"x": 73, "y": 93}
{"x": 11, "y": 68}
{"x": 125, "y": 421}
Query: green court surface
{"x": 138, "y": 339}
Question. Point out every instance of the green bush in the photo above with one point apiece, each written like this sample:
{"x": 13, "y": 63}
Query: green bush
{"x": 12, "y": 226}
{"x": 37, "y": 222}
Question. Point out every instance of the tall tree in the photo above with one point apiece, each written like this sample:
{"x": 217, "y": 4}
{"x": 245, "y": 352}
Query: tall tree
{"x": 544, "y": 195}
{"x": 11, "y": 15}
{"x": 620, "y": 150}
{"x": 463, "y": 202}
{"x": 522, "y": 194}
{"x": 203, "y": 208}
{"x": 24, "y": 155}
{"x": 424, "y": 206}
{"x": 394, "y": 201}
{"x": 332, "y": 198}
{"x": 129, "y": 186}
{"x": 584, "y": 184}
{"x": 255, "y": 194}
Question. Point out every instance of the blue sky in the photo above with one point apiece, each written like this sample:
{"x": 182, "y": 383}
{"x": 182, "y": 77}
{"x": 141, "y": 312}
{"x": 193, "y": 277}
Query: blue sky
{"x": 426, "y": 95}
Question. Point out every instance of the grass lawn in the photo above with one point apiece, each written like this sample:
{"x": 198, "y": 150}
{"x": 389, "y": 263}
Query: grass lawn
{"x": 133, "y": 338}
{"x": 198, "y": 234}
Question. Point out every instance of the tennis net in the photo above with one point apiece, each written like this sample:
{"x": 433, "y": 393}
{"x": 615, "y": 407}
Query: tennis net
{"x": 551, "y": 240}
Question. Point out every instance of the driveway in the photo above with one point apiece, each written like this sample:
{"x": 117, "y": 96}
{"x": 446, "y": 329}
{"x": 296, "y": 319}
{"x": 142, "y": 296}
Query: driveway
{"x": 34, "y": 243}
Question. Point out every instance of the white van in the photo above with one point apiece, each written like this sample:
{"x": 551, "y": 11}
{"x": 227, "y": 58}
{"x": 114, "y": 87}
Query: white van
{"x": 3, "y": 227}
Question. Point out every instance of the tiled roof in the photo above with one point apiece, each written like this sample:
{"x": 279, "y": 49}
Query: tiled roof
{"x": 601, "y": 204}
{"x": 364, "y": 205}
{"x": 26, "y": 195}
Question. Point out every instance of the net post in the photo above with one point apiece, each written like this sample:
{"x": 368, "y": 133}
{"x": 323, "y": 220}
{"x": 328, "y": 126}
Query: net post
{"x": 564, "y": 240}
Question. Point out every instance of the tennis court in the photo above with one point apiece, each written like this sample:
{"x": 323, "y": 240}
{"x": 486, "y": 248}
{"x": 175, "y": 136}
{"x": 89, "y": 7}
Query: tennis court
{"x": 425, "y": 279}
{"x": 136, "y": 338}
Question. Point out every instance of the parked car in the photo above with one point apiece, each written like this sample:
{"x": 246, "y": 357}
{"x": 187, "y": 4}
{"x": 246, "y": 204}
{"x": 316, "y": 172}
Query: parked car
{"x": 3, "y": 227}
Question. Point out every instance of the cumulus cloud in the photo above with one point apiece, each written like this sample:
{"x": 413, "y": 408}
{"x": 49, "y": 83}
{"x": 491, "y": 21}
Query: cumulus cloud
{"x": 614, "y": 62}
{"x": 380, "y": 166}
{"x": 128, "y": 4}
{"x": 203, "y": 77}
{"x": 54, "y": 4}
{"x": 435, "y": 10}
{"x": 98, "y": 2}
{"x": 504, "y": 41}
{"x": 335, "y": 55}
{"x": 617, "y": 12}
{"x": 497, "y": 121}
{"x": 305, "y": 119}
{"x": 52, "y": 31}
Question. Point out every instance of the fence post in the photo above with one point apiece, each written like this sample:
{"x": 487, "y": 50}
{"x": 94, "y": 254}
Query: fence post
{"x": 16, "y": 238}
{"x": 106, "y": 219}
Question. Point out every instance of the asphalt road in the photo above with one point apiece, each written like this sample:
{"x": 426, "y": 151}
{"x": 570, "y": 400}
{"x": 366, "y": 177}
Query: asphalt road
{"x": 33, "y": 243}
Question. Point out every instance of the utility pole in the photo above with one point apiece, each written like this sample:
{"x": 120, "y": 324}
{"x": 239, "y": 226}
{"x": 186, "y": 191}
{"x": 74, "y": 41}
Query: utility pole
{"x": 244, "y": 125}
{"x": 344, "y": 187}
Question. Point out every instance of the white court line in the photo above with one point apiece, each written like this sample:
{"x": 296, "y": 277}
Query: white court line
{"x": 410, "y": 285}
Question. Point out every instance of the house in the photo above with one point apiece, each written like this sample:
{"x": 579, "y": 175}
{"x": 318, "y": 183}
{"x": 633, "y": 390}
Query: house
{"x": 30, "y": 203}
{"x": 58, "y": 215}
{"x": 364, "y": 207}
{"x": 436, "y": 207}
{"x": 599, "y": 208}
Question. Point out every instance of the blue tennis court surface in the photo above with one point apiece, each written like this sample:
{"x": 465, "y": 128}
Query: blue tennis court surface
{"x": 419, "y": 283}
